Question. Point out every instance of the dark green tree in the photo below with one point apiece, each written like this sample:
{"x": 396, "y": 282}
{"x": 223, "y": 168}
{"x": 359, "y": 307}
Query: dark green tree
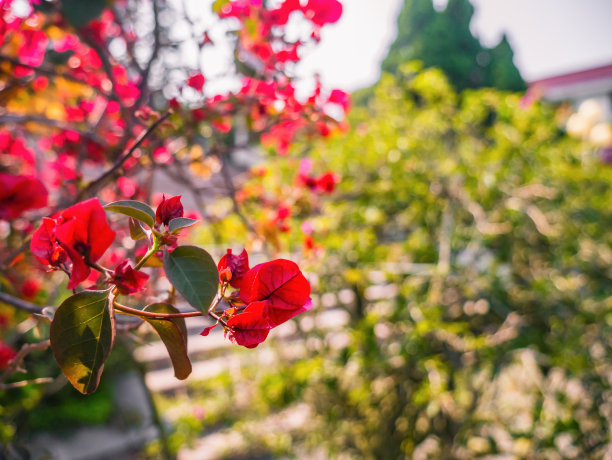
{"x": 503, "y": 73}
{"x": 444, "y": 40}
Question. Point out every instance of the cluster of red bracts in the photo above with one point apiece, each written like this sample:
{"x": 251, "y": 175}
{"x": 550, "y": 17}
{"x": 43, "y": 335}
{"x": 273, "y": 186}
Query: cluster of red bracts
{"x": 265, "y": 296}
{"x": 268, "y": 295}
{"x": 80, "y": 232}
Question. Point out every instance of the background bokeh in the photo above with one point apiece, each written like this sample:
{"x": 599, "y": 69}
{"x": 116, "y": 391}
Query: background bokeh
{"x": 461, "y": 271}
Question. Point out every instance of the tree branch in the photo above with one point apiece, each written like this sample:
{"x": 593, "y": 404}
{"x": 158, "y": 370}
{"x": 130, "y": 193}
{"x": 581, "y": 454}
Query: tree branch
{"x": 20, "y": 303}
{"x": 94, "y": 185}
{"x": 21, "y": 354}
{"x": 156, "y": 47}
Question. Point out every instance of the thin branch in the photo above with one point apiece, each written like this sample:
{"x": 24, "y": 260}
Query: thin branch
{"x": 23, "y": 383}
{"x": 147, "y": 314}
{"x": 20, "y": 303}
{"x": 21, "y": 354}
{"x": 106, "y": 63}
{"x": 156, "y": 47}
{"x": 94, "y": 185}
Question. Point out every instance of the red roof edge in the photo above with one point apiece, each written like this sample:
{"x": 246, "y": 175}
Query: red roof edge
{"x": 595, "y": 73}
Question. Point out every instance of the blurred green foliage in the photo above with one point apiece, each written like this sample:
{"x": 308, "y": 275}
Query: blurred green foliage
{"x": 493, "y": 226}
{"x": 488, "y": 228}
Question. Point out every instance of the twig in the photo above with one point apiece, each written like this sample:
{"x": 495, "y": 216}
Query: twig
{"x": 93, "y": 186}
{"x": 23, "y": 383}
{"x": 21, "y": 354}
{"x": 20, "y": 303}
{"x": 148, "y": 314}
{"x": 156, "y": 47}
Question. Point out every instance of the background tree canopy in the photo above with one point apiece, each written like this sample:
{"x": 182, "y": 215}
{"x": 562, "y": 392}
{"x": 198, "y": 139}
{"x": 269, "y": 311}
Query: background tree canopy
{"x": 443, "y": 40}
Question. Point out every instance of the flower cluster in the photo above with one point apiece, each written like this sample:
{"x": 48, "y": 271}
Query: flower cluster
{"x": 269, "y": 294}
{"x": 80, "y": 233}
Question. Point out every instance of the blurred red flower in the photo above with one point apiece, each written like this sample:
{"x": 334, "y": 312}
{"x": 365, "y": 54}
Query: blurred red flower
{"x": 19, "y": 194}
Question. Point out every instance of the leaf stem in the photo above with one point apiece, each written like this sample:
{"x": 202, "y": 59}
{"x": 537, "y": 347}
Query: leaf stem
{"x": 147, "y": 314}
{"x": 152, "y": 250}
{"x": 215, "y": 304}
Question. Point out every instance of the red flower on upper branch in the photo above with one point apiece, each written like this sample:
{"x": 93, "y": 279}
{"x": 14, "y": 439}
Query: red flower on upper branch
{"x": 196, "y": 81}
{"x": 19, "y": 194}
{"x": 168, "y": 209}
{"x": 322, "y": 12}
{"x": 80, "y": 232}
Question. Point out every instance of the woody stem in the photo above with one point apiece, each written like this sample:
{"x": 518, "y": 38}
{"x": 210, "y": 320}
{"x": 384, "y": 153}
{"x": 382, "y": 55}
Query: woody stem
{"x": 215, "y": 304}
{"x": 147, "y": 314}
{"x": 152, "y": 250}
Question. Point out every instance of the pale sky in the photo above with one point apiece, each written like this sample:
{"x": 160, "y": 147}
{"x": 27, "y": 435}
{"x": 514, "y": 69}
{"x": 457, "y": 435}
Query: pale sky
{"x": 548, "y": 37}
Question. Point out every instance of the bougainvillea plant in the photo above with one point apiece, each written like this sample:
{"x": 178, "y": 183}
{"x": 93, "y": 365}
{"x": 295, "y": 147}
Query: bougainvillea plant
{"x": 83, "y": 327}
{"x": 97, "y": 103}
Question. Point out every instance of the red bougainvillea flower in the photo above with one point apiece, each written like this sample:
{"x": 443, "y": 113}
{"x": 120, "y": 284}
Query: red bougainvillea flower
{"x": 326, "y": 183}
{"x": 337, "y": 96}
{"x": 80, "y": 232}
{"x": 249, "y": 328}
{"x": 7, "y": 354}
{"x": 19, "y": 194}
{"x": 30, "y": 288}
{"x": 322, "y": 12}
{"x": 273, "y": 292}
{"x": 281, "y": 283}
{"x": 196, "y": 81}
{"x": 168, "y": 209}
{"x": 128, "y": 280}
{"x": 237, "y": 264}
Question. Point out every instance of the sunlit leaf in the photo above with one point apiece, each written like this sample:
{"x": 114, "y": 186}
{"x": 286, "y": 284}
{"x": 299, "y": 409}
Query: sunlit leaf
{"x": 82, "y": 335}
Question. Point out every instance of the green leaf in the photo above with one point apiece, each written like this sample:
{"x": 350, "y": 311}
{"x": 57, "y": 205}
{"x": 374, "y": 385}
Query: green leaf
{"x": 193, "y": 273}
{"x": 135, "y": 209}
{"x": 136, "y": 231}
{"x": 80, "y": 12}
{"x": 179, "y": 223}
{"x": 173, "y": 333}
{"x": 82, "y": 335}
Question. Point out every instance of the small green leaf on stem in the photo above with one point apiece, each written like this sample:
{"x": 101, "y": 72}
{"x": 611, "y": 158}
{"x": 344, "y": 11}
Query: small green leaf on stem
{"x": 135, "y": 209}
{"x": 179, "y": 223}
{"x": 194, "y": 274}
{"x": 136, "y": 231}
{"x": 173, "y": 333}
{"x": 82, "y": 335}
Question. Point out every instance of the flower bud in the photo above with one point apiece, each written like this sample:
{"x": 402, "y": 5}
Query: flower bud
{"x": 168, "y": 209}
